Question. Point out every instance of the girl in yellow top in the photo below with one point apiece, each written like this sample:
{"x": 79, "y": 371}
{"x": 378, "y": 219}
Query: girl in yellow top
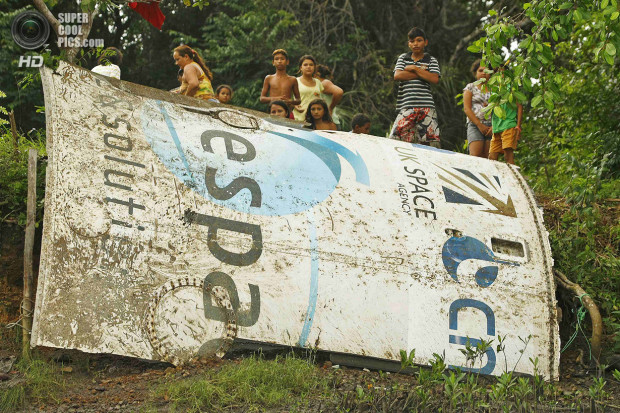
{"x": 309, "y": 87}
{"x": 197, "y": 77}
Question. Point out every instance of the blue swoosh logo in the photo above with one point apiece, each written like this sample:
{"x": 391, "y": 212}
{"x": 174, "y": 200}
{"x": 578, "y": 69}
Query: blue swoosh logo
{"x": 353, "y": 158}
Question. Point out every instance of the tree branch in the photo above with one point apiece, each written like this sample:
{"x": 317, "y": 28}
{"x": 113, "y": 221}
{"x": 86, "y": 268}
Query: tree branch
{"x": 479, "y": 31}
{"x": 444, "y": 18}
{"x": 45, "y": 11}
{"x": 588, "y": 303}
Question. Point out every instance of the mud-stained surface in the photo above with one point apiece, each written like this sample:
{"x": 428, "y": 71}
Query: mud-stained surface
{"x": 314, "y": 239}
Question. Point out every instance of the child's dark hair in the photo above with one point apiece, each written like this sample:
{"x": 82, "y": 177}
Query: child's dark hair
{"x": 279, "y": 51}
{"x": 307, "y": 57}
{"x": 185, "y": 50}
{"x": 474, "y": 67}
{"x": 282, "y": 104}
{"x": 220, "y": 87}
{"x": 111, "y": 55}
{"x": 324, "y": 71}
{"x": 326, "y": 116}
{"x": 359, "y": 120}
{"x": 416, "y": 32}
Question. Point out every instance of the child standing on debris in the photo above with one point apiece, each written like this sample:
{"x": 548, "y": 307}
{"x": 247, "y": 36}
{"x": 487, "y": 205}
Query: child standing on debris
{"x": 475, "y": 99}
{"x": 506, "y": 132}
{"x": 416, "y": 121}
{"x": 310, "y": 88}
{"x": 280, "y": 86}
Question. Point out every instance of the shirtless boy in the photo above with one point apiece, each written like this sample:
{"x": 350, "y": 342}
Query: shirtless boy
{"x": 280, "y": 86}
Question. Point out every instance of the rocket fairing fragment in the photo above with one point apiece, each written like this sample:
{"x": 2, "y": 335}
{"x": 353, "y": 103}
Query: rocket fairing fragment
{"x": 174, "y": 226}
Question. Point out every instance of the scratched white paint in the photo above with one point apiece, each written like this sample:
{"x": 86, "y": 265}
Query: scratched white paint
{"x": 344, "y": 261}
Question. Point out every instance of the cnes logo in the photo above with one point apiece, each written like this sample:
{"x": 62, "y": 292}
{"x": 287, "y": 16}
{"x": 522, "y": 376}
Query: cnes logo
{"x": 30, "y": 61}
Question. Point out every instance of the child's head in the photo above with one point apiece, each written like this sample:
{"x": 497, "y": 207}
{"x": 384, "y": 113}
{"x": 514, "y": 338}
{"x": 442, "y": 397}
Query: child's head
{"x": 317, "y": 110}
{"x": 360, "y": 124}
{"x": 478, "y": 71}
{"x": 307, "y": 65}
{"x": 280, "y": 58}
{"x": 417, "y": 40}
{"x": 110, "y": 55}
{"x": 279, "y": 108}
{"x": 323, "y": 72}
{"x": 224, "y": 93}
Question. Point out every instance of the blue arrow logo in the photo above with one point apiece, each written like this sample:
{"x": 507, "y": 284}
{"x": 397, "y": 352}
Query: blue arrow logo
{"x": 353, "y": 158}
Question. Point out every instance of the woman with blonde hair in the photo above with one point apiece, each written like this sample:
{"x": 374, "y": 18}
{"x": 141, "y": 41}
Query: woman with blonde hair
{"x": 196, "y": 79}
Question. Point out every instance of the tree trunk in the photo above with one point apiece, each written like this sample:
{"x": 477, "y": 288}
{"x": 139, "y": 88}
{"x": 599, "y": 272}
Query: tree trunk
{"x": 70, "y": 52}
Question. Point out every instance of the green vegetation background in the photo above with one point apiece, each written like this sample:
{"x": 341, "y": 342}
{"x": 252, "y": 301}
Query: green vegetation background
{"x": 570, "y": 150}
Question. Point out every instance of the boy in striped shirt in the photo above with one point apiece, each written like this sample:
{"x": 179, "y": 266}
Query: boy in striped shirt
{"x": 417, "y": 119}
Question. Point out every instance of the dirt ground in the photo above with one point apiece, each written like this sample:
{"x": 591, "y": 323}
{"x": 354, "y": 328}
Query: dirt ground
{"x": 99, "y": 383}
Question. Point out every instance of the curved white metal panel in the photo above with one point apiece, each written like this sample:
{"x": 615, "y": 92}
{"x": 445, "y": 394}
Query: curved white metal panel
{"x": 174, "y": 226}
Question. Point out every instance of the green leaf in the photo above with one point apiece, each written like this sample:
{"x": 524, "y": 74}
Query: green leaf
{"x": 520, "y": 96}
{"x": 527, "y": 6}
{"x": 525, "y": 43}
{"x": 554, "y": 34}
{"x": 604, "y": 4}
{"x": 610, "y": 49}
{"x": 609, "y": 59}
{"x": 567, "y": 5}
{"x": 499, "y": 112}
{"x": 536, "y": 101}
{"x": 614, "y": 15}
{"x": 474, "y": 49}
{"x": 548, "y": 102}
{"x": 492, "y": 12}
{"x": 493, "y": 29}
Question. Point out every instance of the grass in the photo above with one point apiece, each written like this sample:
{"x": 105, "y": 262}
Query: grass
{"x": 12, "y": 398}
{"x": 290, "y": 383}
{"x": 252, "y": 385}
{"x": 39, "y": 381}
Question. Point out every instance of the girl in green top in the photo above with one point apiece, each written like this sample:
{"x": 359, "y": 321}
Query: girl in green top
{"x": 310, "y": 88}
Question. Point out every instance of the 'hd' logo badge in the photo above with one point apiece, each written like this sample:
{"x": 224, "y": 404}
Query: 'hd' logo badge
{"x": 30, "y": 61}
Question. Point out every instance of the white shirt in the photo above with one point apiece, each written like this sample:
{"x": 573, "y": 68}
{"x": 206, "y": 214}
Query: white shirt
{"x": 110, "y": 71}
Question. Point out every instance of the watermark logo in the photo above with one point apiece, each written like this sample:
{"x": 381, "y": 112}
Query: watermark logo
{"x": 30, "y": 61}
{"x": 30, "y": 30}
{"x": 70, "y": 31}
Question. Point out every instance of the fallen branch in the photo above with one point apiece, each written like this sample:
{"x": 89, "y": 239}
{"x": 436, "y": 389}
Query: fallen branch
{"x": 588, "y": 303}
{"x": 14, "y": 133}
{"x": 31, "y": 205}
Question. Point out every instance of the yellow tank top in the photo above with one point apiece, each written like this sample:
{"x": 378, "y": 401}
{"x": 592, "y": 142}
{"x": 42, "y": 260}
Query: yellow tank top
{"x": 205, "y": 90}
{"x": 307, "y": 95}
